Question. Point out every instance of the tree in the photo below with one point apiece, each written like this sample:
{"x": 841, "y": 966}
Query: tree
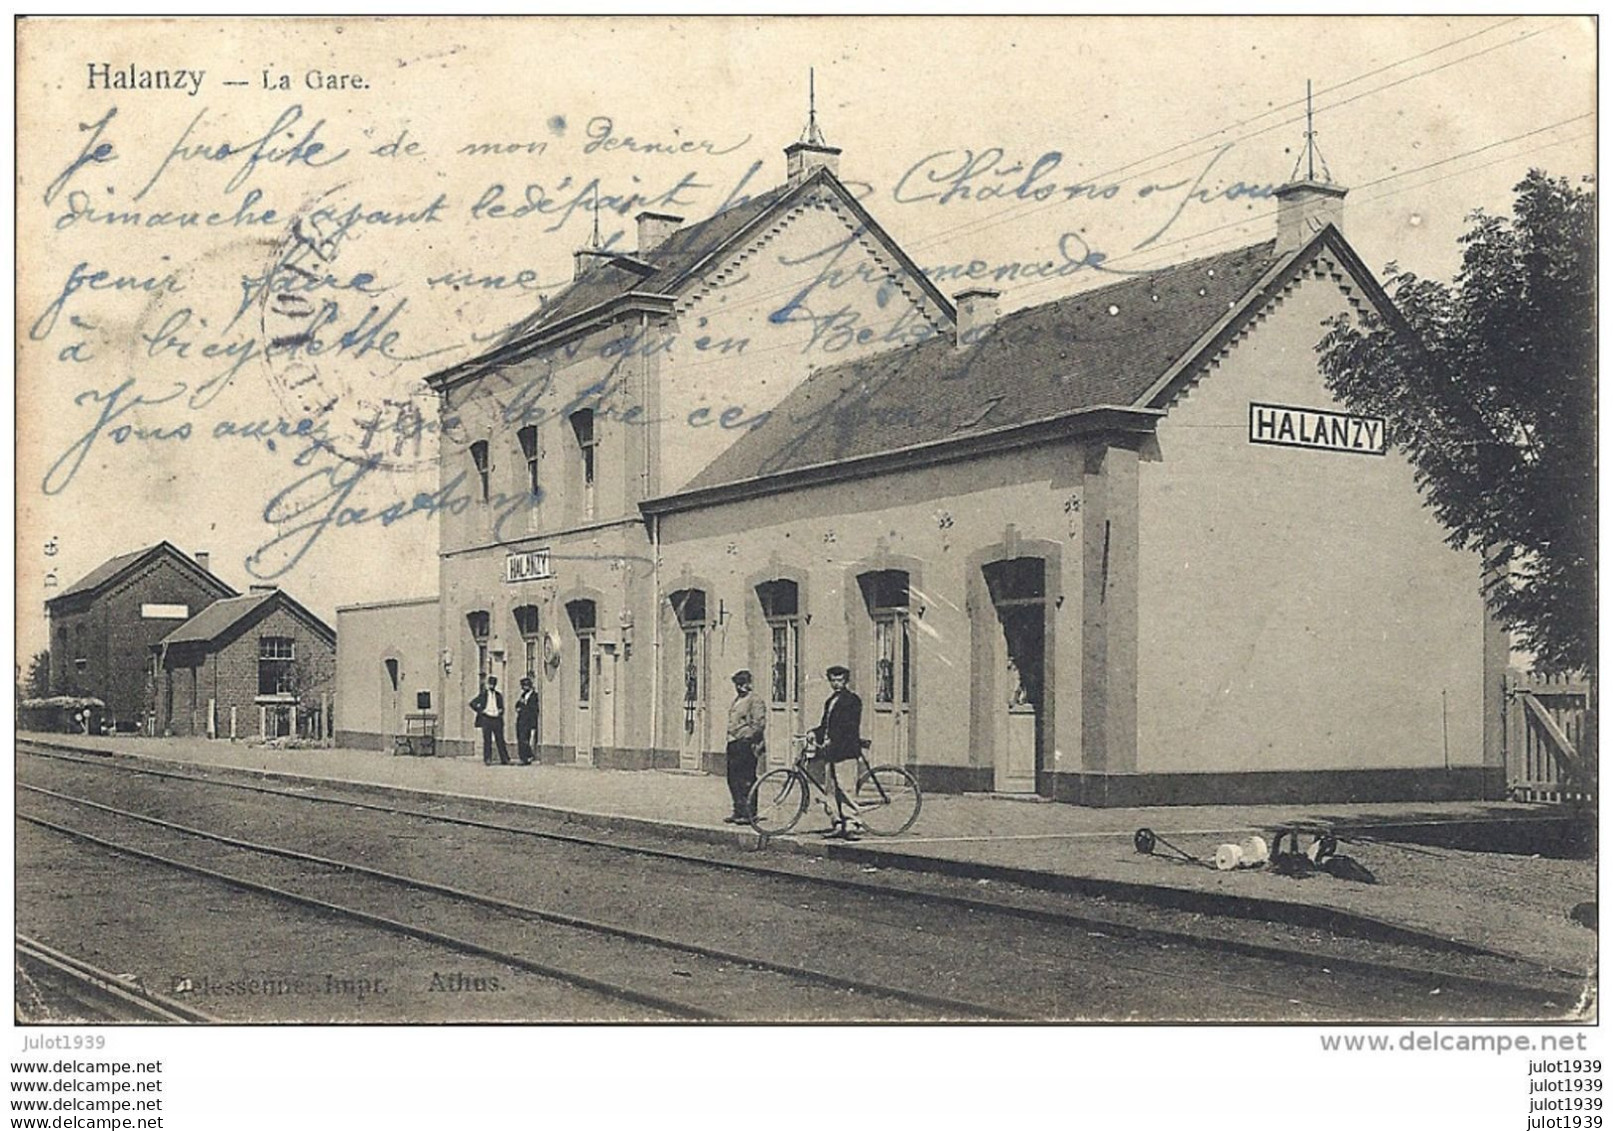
{"x": 1489, "y": 387}
{"x": 36, "y": 684}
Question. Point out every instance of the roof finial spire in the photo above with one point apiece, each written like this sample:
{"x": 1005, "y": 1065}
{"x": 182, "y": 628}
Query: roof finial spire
{"x": 813, "y": 135}
{"x": 1310, "y": 136}
{"x": 595, "y": 243}
{"x": 1312, "y": 154}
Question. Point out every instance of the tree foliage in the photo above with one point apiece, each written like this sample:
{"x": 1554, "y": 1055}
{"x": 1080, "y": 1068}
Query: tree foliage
{"x": 1489, "y": 387}
{"x": 36, "y": 683}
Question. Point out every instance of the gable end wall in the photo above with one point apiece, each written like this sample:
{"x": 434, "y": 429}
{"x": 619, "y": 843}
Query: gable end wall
{"x": 1298, "y": 609}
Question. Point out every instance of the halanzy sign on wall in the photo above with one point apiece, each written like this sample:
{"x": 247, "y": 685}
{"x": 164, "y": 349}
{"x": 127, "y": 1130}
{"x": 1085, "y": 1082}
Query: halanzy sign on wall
{"x": 1290, "y": 427}
{"x": 533, "y": 565}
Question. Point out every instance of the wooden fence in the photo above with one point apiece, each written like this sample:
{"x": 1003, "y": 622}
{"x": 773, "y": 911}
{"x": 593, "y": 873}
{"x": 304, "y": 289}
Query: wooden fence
{"x": 1550, "y": 738}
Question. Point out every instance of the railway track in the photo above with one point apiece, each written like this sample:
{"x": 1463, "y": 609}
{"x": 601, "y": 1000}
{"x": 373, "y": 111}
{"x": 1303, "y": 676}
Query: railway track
{"x": 54, "y": 986}
{"x": 761, "y": 866}
{"x": 470, "y": 929}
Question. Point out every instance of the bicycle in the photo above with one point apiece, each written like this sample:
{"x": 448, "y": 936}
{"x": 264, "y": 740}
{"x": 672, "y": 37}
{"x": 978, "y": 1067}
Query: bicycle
{"x": 887, "y": 798}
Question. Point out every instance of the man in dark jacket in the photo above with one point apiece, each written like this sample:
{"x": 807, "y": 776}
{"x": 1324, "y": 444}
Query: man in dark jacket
{"x": 526, "y": 723}
{"x": 838, "y": 738}
{"x": 489, "y": 708}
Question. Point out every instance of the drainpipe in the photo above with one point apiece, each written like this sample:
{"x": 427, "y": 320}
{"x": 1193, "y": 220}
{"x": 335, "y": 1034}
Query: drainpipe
{"x": 651, "y": 423}
{"x": 655, "y": 633}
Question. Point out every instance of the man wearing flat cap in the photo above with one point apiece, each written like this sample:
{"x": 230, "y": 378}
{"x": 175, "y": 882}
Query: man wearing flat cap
{"x": 747, "y": 740}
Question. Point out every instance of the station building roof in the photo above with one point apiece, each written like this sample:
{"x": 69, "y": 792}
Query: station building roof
{"x": 1106, "y": 356}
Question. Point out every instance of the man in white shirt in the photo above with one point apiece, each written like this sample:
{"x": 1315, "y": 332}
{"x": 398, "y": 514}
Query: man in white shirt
{"x": 489, "y": 708}
{"x": 747, "y": 738}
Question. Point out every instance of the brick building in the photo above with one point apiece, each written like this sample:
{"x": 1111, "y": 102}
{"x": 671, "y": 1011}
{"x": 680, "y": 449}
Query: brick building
{"x": 255, "y": 665}
{"x": 102, "y": 627}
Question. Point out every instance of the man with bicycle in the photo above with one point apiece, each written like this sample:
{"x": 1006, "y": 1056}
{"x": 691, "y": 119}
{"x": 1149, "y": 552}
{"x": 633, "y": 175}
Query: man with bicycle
{"x": 838, "y": 738}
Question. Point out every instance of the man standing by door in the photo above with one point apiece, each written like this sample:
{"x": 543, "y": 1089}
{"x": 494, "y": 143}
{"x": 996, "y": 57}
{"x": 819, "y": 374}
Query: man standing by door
{"x": 526, "y": 723}
{"x": 489, "y": 708}
{"x": 747, "y": 739}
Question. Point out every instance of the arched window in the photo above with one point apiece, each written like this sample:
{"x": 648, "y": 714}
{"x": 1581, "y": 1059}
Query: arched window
{"x": 1018, "y": 589}
{"x": 689, "y": 605}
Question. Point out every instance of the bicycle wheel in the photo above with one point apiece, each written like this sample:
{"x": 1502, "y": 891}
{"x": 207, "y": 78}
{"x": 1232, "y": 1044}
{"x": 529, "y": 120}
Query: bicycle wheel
{"x": 777, "y": 801}
{"x": 888, "y": 799}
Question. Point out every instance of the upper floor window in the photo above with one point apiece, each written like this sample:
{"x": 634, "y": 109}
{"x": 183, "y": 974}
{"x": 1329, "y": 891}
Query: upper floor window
{"x": 277, "y": 659}
{"x": 582, "y": 423}
{"x": 529, "y": 451}
{"x": 478, "y": 456}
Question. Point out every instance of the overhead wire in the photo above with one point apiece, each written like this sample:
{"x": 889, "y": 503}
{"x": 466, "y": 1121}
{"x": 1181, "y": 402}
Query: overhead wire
{"x": 1013, "y": 211}
{"x": 1265, "y": 216}
{"x": 1018, "y": 210}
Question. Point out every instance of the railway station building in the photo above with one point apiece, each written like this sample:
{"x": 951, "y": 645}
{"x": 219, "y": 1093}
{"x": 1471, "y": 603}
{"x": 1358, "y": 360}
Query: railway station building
{"x": 103, "y": 625}
{"x": 1120, "y": 548}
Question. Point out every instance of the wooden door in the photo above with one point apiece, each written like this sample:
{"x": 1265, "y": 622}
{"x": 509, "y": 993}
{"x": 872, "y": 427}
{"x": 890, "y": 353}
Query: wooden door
{"x": 1019, "y": 725}
{"x": 783, "y": 689}
{"x": 693, "y": 727}
{"x": 583, "y": 723}
{"x": 893, "y": 689}
{"x": 605, "y": 659}
{"x": 391, "y": 697}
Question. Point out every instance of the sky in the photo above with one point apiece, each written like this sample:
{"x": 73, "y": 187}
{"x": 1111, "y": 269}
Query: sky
{"x": 430, "y": 156}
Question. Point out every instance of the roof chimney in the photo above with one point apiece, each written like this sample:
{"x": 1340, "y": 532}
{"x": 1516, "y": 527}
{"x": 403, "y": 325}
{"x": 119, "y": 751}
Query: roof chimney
{"x": 588, "y": 259}
{"x": 803, "y": 159}
{"x": 262, "y": 588}
{"x": 203, "y": 559}
{"x": 654, "y": 228}
{"x": 1306, "y": 205}
{"x": 1304, "y": 208}
{"x": 978, "y": 308}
